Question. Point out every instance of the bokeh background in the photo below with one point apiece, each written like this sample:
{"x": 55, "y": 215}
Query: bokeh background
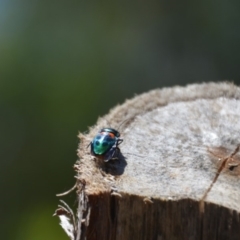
{"x": 64, "y": 63}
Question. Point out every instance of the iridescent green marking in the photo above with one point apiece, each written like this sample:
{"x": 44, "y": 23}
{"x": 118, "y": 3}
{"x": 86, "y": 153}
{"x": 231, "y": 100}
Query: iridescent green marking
{"x": 105, "y": 144}
{"x": 102, "y": 144}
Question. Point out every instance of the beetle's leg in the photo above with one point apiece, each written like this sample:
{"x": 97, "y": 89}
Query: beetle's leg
{"x": 119, "y": 141}
{"x": 112, "y": 153}
{"x": 109, "y": 155}
{"x": 89, "y": 144}
{"x": 117, "y": 150}
{"x": 91, "y": 149}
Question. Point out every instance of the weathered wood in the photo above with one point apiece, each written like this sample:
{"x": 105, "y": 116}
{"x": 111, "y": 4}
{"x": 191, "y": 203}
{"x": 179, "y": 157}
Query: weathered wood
{"x": 177, "y": 176}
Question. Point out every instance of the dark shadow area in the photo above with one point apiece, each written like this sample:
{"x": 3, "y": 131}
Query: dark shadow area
{"x": 115, "y": 166}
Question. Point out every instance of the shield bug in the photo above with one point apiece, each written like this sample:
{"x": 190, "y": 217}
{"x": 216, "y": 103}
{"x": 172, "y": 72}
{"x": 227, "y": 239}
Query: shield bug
{"x": 105, "y": 144}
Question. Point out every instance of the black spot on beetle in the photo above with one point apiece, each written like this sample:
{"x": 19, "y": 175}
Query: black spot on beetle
{"x": 105, "y": 144}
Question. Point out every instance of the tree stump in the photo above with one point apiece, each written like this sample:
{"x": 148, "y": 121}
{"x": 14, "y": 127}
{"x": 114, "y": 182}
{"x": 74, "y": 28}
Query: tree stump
{"x": 177, "y": 175}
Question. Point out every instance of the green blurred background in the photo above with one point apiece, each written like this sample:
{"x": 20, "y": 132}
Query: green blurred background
{"x": 64, "y": 63}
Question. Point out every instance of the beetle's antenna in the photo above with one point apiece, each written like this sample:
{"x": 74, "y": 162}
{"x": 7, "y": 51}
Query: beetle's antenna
{"x": 108, "y": 123}
{"x": 124, "y": 122}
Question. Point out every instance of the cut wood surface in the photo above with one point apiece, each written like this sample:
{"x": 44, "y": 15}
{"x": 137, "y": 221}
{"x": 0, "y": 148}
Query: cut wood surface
{"x": 177, "y": 176}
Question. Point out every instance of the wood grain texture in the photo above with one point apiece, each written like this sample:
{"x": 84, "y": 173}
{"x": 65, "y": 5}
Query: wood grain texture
{"x": 177, "y": 176}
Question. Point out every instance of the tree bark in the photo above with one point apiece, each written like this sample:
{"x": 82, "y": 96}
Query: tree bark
{"x": 177, "y": 176}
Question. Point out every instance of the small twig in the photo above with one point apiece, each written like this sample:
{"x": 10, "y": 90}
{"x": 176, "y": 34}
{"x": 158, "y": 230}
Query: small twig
{"x": 67, "y": 192}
